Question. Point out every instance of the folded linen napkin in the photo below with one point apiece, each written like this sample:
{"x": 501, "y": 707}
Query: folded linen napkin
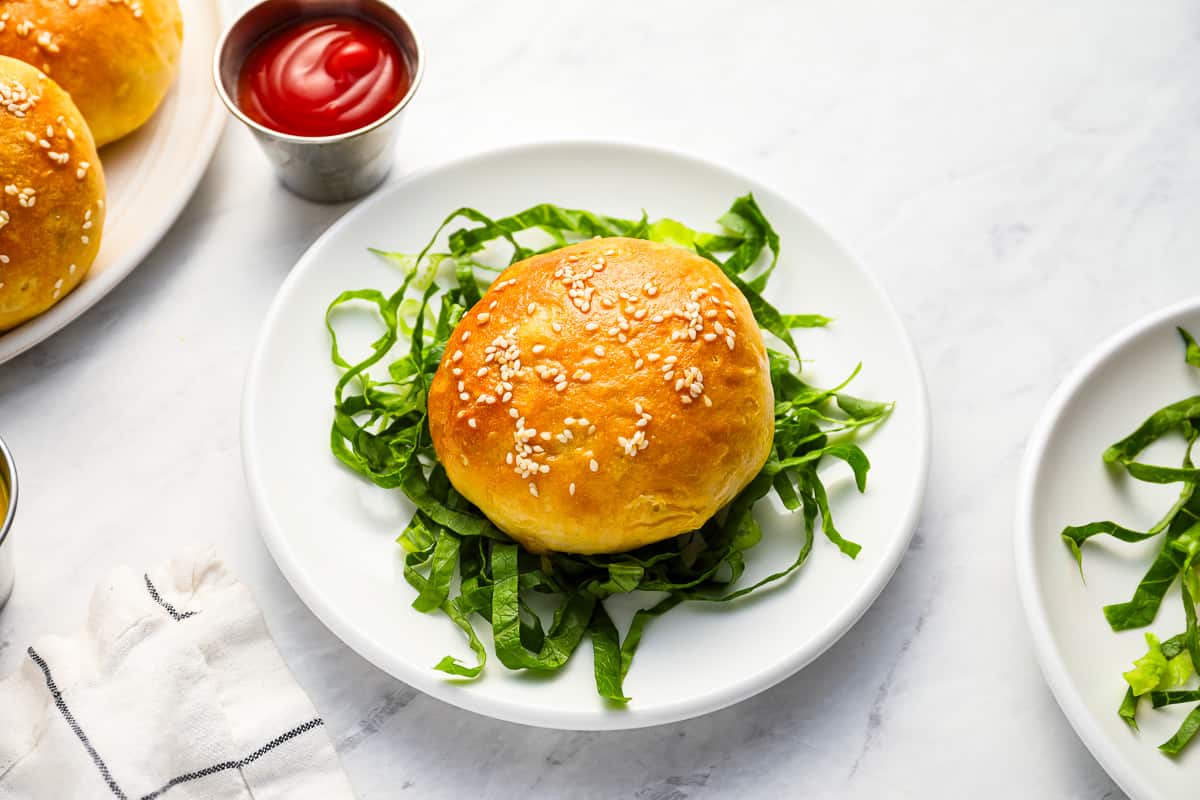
{"x": 173, "y": 689}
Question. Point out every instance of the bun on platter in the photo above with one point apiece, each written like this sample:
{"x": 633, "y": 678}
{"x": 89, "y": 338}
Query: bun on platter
{"x": 51, "y": 194}
{"x": 604, "y": 396}
{"x": 117, "y": 58}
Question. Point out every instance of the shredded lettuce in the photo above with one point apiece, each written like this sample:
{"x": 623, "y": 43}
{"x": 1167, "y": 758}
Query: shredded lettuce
{"x": 1154, "y": 671}
{"x": 380, "y": 431}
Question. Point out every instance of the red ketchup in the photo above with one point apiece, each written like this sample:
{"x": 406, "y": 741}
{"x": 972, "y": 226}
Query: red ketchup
{"x": 322, "y": 77}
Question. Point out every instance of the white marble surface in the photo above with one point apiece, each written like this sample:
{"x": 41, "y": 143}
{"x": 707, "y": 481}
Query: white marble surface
{"x": 1023, "y": 177}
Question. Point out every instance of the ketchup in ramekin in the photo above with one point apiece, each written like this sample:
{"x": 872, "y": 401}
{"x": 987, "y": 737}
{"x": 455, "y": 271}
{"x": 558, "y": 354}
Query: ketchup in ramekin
{"x": 323, "y": 77}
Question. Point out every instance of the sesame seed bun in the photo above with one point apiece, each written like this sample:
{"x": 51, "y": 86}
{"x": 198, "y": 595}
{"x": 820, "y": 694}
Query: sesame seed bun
{"x": 604, "y": 396}
{"x": 51, "y": 194}
{"x": 117, "y": 58}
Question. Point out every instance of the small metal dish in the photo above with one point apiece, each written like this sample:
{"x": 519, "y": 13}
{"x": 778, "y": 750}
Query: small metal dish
{"x": 327, "y": 169}
{"x": 8, "y": 474}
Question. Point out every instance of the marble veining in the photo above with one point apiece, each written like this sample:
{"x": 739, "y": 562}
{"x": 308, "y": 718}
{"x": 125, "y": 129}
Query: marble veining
{"x": 1022, "y": 177}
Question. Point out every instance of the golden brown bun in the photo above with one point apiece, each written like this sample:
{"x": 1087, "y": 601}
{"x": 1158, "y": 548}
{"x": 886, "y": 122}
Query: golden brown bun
{"x": 51, "y": 194}
{"x": 117, "y": 58}
{"x": 638, "y": 446}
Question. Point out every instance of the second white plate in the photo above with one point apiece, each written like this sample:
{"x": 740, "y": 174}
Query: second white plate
{"x": 150, "y": 175}
{"x": 1064, "y": 482}
{"x": 333, "y": 534}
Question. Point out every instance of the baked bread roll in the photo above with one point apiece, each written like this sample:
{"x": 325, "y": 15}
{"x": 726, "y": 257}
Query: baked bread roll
{"x": 117, "y": 58}
{"x": 604, "y": 396}
{"x": 51, "y": 194}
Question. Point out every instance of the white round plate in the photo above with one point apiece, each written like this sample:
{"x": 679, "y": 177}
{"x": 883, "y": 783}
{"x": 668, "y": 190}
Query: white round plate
{"x": 1064, "y": 482}
{"x": 333, "y": 534}
{"x": 150, "y": 175}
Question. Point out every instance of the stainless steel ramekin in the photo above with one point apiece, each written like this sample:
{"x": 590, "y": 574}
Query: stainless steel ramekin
{"x": 328, "y": 169}
{"x": 8, "y": 474}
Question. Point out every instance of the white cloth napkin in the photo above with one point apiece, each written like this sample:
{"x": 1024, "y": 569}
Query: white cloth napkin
{"x": 173, "y": 689}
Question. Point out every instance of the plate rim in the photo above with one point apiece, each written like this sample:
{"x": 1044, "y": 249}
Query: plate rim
{"x": 1103, "y": 748}
{"x": 48, "y": 323}
{"x": 433, "y": 684}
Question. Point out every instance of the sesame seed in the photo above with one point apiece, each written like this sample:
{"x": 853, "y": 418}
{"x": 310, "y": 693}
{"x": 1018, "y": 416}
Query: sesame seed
{"x": 638, "y": 364}
{"x": 458, "y": 354}
{"x": 456, "y": 372}
{"x": 508, "y": 458}
{"x": 464, "y": 396}
{"x": 483, "y": 317}
{"x": 652, "y": 357}
{"x": 533, "y": 489}
{"x": 58, "y": 284}
{"x": 466, "y": 335}
{"x": 710, "y": 337}
{"x": 591, "y": 429}
{"x": 471, "y": 422}
{"x": 584, "y": 421}
{"x": 599, "y": 351}
{"x": 571, "y": 489}
{"x": 539, "y": 348}
{"x": 462, "y": 385}
{"x": 560, "y": 387}
{"x": 531, "y": 308}
{"x": 512, "y": 412}
{"x": 545, "y": 436}
{"x": 593, "y": 465}
{"x": 71, "y": 270}
{"x": 591, "y": 326}
{"x": 85, "y": 239}
{"x": 708, "y": 401}
{"x": 557, "y": 328}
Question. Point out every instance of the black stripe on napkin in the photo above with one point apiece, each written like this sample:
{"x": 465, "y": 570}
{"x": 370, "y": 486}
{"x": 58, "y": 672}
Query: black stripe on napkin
{"x": 257, "y": 754}
{"x": 61, "y": 704}
{"x": 70, "y": 718}
{"x": 175, "y": 615}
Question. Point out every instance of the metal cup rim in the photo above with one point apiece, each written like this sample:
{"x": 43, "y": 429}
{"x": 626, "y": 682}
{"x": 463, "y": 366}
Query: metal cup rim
{"x": 418, "y": 58}
{"x": 7, "y": 458}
